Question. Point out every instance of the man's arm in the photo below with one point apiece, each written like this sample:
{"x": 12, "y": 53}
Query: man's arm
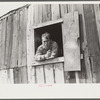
{"x": 54, "y": 52}
{"x": 39, "y": 56}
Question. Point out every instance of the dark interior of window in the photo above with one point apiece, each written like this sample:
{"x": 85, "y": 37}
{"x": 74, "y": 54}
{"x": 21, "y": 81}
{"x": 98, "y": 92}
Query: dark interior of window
{"x": 55, "y": 31}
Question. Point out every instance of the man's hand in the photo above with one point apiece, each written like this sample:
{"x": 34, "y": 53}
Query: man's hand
{"x": 48, "y": 54}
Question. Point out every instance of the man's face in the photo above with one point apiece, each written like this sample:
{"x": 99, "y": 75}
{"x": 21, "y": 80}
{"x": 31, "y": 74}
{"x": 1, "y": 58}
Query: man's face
{"x": 45, "y": 42}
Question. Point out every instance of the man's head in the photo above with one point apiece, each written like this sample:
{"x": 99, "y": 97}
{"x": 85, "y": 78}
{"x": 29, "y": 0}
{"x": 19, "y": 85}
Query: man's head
{"x": 46, "y": 40}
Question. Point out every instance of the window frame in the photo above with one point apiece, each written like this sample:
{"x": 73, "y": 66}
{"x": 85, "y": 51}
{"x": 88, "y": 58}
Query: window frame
{"x": 53, "y": 60}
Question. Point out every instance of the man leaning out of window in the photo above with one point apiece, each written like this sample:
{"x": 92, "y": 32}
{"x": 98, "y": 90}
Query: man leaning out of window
{"x": 48, "y": 49}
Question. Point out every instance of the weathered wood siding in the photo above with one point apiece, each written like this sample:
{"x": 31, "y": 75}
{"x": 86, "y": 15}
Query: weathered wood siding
{"x": 17, "y": 45}
{"x": 13, "y": 58}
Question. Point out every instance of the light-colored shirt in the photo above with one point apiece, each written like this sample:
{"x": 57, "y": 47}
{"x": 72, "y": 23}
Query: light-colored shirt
{"x": 41, "y": 51}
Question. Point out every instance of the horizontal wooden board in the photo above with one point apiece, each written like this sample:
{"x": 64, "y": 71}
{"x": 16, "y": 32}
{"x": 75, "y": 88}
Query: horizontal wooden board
{"x": 48, "y": 23}
{"x": 49, "y": 61}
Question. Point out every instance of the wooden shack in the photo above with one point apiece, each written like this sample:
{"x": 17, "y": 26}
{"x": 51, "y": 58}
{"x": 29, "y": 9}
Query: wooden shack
{"x": 76, "y": 29}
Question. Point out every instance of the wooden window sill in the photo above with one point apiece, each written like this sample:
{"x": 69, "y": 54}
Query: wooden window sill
{"x": 49, "y": 61}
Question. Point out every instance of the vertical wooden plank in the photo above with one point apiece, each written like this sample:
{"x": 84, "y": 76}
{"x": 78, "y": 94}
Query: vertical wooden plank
{"x": 0, "y": 40}
{"x": 55, "y": 11}
{"x": 39, "y": 69}
{"x": 95, "y": 63}
{"x": 85, "y": 74}
{"x": 97, "y": 15}
{"x": 93, "y": 39}
{"x": 40, "y": 12}
{"x": 63, "y": 9}
{"x": 70, "y": 29}
{"x": 14, "y": 53}
{"x": 88, "y": 70}
{"x": 3, "y": 43}
{"x": 91, "y": 30}
{"x": 46, "y": 12}
{"x": 3, "y": 77}
{"x": 9, "y": 40}
{"x": 30, "y": 45}
{"x": 77, "y": 77}
{"x": 10, "y": 76}
{"x": 59, "y": 73}
{"x": 39, "y": 74}
{"x": 49, "y": 73}
{"x": 36, "y": 14}
{"x": 20, "y": 75}
{"x": 20, "y": 39}
{"x": 33, "y": 75}
{"x": 24, "y": 37}
{"x": 17, "y": 75}
{"x": 23, "y": 71}
{"x": 95, "y": 60}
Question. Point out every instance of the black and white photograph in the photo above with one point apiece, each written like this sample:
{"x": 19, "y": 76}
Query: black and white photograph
{"x": 48, "y": 44}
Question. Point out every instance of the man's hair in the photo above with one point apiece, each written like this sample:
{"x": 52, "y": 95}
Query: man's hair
{"x": 46, "y": 35}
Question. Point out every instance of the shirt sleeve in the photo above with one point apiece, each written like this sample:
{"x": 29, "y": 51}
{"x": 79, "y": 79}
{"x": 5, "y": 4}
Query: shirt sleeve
{"x": 39, "y": 56}
{"x": 54, "y": 52}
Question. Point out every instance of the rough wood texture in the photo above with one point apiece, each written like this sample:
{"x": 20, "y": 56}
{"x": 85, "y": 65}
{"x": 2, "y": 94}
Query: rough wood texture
{"x": 14, "y": 54}
{"x": 49, "y": 73}
{"x": 23, "y": 71}
{"x": 82, "y": 30}
{"x": 59, "y": 73}
{"x": 51, "y": 22}
{"x": 30, "y": 45}
{"x": 20, "y": 39}
{"x": 24, "y": 37}
{"x": 0, "y": 40}
{"x": 91, "y": 30}
{"x": 39, "y": 74}
{"x": 64, "y": 9}
{"x": 70, "y": 29}
{"x": 55, "y": 11}
{"x": 89, "y": 36}
{"x": 88, "y": 70}
{"x": 97, "y": 16}
{"x": 49, "y": 61}
{"x": 3, "y": 77}
{"x": 58, "y": 67}
{"x": 95, "y": 64}
{"x": 32, "y": 75}
{"x": 17, "y": 75}
{"x": 20, "y": 75}
{"x": 3, "y": 44}
{"x": 9, "y": 40}
{"x": 93, "y": 40}
{"x": 10, "y": 76}
{"x": 46, "y": 12}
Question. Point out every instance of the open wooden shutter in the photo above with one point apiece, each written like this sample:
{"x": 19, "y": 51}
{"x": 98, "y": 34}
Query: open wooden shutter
{"x": 71, "y": 45}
